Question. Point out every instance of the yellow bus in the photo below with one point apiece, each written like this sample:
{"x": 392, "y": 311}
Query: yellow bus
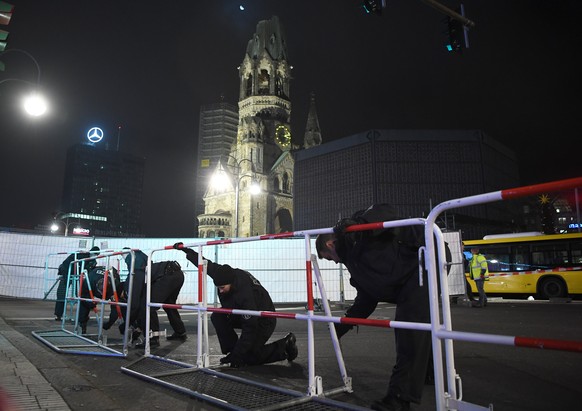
{"x": 547, "y": 266}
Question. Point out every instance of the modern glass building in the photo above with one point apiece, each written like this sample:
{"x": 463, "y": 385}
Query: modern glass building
{"x": 104, "y": 183}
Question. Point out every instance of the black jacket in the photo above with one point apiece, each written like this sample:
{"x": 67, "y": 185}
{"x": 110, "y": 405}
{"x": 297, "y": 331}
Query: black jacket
{"x": 379, "y": 261}
{"x": 64, "y": 266}
{"x": 246, "y": 293}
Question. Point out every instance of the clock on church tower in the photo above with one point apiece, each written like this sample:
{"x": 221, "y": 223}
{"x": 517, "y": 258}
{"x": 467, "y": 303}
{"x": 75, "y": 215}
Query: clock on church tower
{"x": 283, "y": 136}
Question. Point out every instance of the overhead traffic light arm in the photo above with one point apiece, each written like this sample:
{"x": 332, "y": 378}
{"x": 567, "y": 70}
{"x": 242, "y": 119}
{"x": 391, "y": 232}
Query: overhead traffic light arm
{"x": 451, "y": 13}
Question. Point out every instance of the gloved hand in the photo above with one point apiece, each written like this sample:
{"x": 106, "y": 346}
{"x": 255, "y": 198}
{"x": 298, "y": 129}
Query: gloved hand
{"x": 226, "y": 360}
{"x": 234, "y": 360}
{"x": 342, "y": 224}
{"x": 342, "y": 329}
{"x": 179, "y": 246}
{"x": 236, "y": 364}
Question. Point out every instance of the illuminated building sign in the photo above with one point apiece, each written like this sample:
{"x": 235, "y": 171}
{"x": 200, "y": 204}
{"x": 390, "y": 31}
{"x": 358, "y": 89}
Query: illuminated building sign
{"x": 95, "y": 135}
{"x": 80, "y": 231}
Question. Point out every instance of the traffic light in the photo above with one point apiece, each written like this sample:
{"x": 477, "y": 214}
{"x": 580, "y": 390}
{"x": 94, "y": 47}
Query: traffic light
{"x": 5, "y": 16}
{"x": 456, "y": 35}
{"x": 374, "y": 6}
{"x": 457, "y": 31}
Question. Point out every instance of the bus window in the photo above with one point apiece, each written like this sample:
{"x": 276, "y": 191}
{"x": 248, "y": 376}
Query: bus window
{"x": 550, "y": 255}
{"x": 576, "y": 252}
{"x": 520, "y": 258}
{"x": 497, "y": 257}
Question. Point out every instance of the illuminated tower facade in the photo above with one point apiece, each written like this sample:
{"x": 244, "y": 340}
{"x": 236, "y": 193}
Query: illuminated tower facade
{"x": 261, "y": 153}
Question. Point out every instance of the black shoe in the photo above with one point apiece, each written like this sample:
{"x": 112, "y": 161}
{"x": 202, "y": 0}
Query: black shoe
{"x": 291, "y": 346}
{"x": 154, "y": 343}
{"x": 176, "y": 336}
{"x": 390, "y": 403}
{"x": 57, "y": 318}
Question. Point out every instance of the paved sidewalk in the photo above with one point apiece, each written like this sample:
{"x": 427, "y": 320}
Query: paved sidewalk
{"x": 35, "y": 377}
{"x": 23, "y": 386}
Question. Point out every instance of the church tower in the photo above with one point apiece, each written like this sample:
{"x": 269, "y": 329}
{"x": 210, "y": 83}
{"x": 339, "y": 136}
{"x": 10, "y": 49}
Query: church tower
{"x": 312, "y": 131}
{"x": 261, "y": 154}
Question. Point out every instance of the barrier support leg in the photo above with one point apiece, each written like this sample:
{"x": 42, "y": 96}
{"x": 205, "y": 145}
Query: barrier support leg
{"x": 336, "y": 345}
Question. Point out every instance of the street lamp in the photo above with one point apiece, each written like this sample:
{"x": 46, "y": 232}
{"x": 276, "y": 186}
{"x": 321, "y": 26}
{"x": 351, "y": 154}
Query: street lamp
{"x": 59, "y": 218}
{"x": 222, "y": 177}
{"x": 35, "y": 104}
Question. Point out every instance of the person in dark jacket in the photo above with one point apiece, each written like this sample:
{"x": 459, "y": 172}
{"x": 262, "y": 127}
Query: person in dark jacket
{"x": 238, "y": 289}
{"x": 92, "y": 287}
{"x": 384, "y": 266}
{"x": 167, "y": 279}
{"x": 63, "y": 273}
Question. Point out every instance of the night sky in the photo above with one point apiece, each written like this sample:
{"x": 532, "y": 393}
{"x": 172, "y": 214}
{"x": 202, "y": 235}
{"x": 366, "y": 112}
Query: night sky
{"x": 148, "y": 66}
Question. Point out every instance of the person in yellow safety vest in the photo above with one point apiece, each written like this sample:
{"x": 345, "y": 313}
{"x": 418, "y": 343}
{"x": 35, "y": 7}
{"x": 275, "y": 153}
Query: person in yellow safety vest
{"x": 479, "y": 274}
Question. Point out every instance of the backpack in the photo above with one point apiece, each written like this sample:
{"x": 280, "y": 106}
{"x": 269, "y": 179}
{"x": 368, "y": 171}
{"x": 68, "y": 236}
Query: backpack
{"x": 164, "y": 268}
{"x": 411, "y": 236}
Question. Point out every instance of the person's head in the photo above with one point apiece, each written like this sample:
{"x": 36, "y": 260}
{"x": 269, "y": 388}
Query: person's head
{"x": 475, "y": 250}
{"x": 91, "y": 264}
{"x": 325, "y": 246}
{"x": 223, "y": 278}
{"x": 141, "y": 259}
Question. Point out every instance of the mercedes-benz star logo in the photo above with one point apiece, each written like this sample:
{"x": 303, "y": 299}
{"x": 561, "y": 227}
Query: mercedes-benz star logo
{"x": 95, "y": 135}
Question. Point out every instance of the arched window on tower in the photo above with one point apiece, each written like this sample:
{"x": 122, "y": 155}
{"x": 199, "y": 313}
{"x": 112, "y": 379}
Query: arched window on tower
{"x": 264, "y": 80}
{"x": 276, "y": 185}
{"x": 279, "y": 87}
{"x": 286, "y": 183}
{"x": 249, "y": 86}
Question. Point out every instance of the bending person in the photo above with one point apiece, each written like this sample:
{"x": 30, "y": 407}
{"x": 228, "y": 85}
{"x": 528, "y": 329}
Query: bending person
{"x": 167, "y": 279}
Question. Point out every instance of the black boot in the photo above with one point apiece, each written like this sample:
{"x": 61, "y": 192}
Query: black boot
{"x": 291, "y": 346}
{"x": 391, "y": 403}
{"x": 177, "y": 337}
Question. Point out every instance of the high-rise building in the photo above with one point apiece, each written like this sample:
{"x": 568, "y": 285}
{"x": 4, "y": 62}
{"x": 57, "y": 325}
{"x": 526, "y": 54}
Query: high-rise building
{"x": 216, "y": 135}
{"x": 104, "y": 183}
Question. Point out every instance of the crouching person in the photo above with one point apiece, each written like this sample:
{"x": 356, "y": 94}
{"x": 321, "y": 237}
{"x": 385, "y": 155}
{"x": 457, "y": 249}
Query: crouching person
{"x": 167, "y": 279}
{"x": 238, "y": 289}
{"x": 92, "y": 287}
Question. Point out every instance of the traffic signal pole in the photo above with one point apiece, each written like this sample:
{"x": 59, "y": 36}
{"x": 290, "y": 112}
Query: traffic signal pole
{"x": 451, "y": 13}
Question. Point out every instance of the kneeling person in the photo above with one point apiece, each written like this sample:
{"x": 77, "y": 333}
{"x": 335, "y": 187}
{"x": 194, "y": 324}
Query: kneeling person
{"x": 238, "y": 289}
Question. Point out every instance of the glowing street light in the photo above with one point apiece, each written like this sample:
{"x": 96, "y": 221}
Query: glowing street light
{"x": 64, "y": 219}
{"x": 222, "y": 180}
{"x": 35, "y": 104}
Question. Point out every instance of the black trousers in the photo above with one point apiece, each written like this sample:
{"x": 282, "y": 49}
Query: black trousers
{"x": 413, "y": 348}
{"x": 166, "y": 290}
{"x": 61, "y": 294}
{"x": 260, "y": 352}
